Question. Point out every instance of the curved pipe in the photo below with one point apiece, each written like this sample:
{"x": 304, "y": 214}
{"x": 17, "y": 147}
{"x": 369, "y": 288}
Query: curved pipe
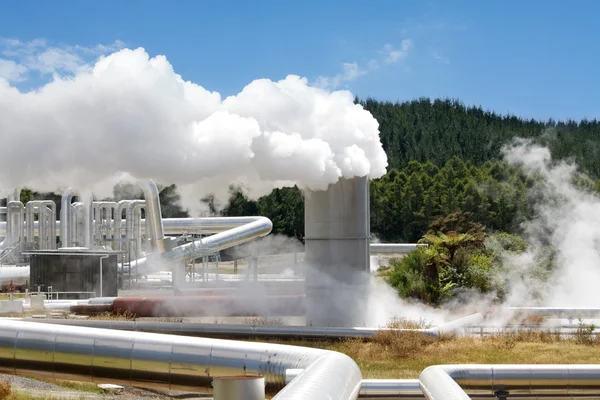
{"x": 66, "y": 237}
{"x": 153, "y": 214}
{"x": 450, "y": 381}
{"x": 171, "y": 362}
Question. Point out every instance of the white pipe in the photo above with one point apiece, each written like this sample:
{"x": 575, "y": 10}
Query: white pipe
{"x": 443, "y": 382}
{"x": 65, "y": 218}
{"x": 172, "y": 362}
{"x": 394, "y": 248}
{"x": 153, "y": 214}
{"x": 88, "y": 220}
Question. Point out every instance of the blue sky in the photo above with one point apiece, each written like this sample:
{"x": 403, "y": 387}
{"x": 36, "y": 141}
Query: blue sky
{"x": 531, "y": 58}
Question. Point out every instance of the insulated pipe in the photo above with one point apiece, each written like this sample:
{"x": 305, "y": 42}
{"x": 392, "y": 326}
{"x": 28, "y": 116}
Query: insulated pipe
{"x": 46, "y": 210}
{"x": 77, "y": 223}
{"x": 116, "y": 226}
{"x": 88, "y": 220}
{"x": 245, "y": 331}
{"x": 260, "y": 227}
{"x": 154, "y": 229}
{"x": 443, "y": 382}
{"x": 65, "y": 218}
{"x": 379, "y": 388}
{"x": 394, "y": 248}
{"x": 212, "y": 225}
{"x": 130, "y": 232}
{"x": 11, "y": 223}
{"x": 171, "y": 362}
{"x": 16, "y": 213}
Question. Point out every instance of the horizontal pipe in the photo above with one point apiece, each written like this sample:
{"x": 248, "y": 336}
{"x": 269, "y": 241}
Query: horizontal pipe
{"x": 394, "y": 248}
{"x": 176, "y": 226}
{"x": 442, "y": 382}
{"x": 565, "y": 312}
{"x": 212, "y": 225}
{"x": 171, "y": 362}
{"x": 246, "y": 331}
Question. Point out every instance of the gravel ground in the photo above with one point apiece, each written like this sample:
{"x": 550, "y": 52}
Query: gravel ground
{"x": 45, "y": 390}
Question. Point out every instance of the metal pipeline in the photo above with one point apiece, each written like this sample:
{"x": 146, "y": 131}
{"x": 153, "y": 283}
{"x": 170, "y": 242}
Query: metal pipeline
{"x": 155, "y": 228}
{"x": 16, "y": 214}
{"x": 261, "y": 226}
{"x": 245, "y": 331}
{"x": 379, "y": 388}
{"x": 450, "y": 381}
{"x": 88, "y": 220}
{"x": 46, "y": 211}
{"x": 66, "y": 237}
{"x": 133, "y": 210}
{"x": 394, "y": 248}
{"x": 212, "y": 225}
{"x": 171, "y": 362}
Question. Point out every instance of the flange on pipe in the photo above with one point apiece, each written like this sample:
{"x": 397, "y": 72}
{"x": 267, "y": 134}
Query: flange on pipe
{"x": 239, "y": 388}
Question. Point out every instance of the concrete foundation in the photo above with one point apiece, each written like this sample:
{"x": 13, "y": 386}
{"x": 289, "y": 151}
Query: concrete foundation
{"x": 337, "y": 237}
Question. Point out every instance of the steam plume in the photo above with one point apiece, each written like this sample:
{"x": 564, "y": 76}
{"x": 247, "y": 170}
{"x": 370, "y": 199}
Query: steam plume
{"x": 568, "y": 220}
{"x": 133, "y": 117}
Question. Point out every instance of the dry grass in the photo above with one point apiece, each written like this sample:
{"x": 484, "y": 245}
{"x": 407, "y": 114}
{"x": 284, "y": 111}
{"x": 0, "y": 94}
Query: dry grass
{"x": 405, "y": 354}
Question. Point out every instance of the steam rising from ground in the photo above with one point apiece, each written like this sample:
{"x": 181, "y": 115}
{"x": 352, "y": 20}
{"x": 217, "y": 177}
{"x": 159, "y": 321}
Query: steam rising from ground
{"x": 132, "y": 117}
{"x": 567, "y": 219}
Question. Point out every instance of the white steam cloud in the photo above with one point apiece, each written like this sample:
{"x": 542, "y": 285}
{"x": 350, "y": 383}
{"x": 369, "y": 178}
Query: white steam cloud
{"x": 567, "y": 220}
{"x": 132, "y": 117}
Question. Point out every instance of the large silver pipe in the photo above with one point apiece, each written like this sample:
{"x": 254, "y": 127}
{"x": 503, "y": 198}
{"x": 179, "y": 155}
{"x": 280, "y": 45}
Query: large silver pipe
{"x": 76, "y": 228}
{"x": 450, "y": 381}
{"x": 65, "y": 218}
{"x": 88, "y": 220}
{"x": 117, "y": 227}
{"x": 262, "y": 226}
{"x": 380, "y": 388}
{"x": 171, "y": 362}
{"x": 16, "y": 213}
{"x": 11, "y": 220}
{"x": 153, "y": 214}
{"x": 212, "y": 225}
{"x": 130, "y": 232}
{"x": 46, "y": 211}
{"x": 177, "y": 226}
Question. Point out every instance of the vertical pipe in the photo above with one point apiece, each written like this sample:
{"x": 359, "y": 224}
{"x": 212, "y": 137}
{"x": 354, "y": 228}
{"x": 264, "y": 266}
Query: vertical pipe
{"x": 137, "y": 227}
{"x": 88, "y": 220}
{"x": 117, "y": 227}
{"x": 66, "y": 236}
{"x": 153, "y": 216}
{"x": 130, "y": 233}
{"x": 11, "y": 220}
